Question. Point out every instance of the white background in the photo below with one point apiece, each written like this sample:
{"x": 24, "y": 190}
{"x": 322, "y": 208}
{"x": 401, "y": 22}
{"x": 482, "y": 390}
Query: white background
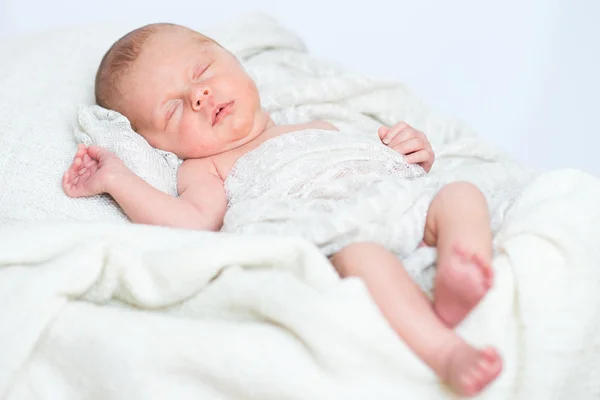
{"x": 524, "y": 74}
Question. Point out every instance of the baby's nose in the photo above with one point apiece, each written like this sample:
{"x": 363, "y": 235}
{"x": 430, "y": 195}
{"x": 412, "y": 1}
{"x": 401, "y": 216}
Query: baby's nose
{"x": 199, "y": 98}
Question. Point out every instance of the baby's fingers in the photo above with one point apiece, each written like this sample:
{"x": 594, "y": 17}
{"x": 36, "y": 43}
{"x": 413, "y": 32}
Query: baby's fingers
{"x": 79, "y": 157}
{"x": 81, "y": 150}
{"x": 77, "y": 163}
{"x": 418, "y": 157}
{"x": 74, "y": 169}
{"x": 394, "y": 132}
{"x": 69, "y": 182}
{"x": 383, "y": 130}
{"x": 96, "y": 152}
{"x": 87, "y": 160}
{"x": 65, "y": 180}
{"x": 407, "y": 146}
{"x": 85, "y": 173}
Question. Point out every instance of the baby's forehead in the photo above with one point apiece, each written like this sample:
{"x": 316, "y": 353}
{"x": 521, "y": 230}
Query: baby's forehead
{"x": 165, "y": 50}
{"x": 178, "y": 34}
{"x": 172, "y": 47}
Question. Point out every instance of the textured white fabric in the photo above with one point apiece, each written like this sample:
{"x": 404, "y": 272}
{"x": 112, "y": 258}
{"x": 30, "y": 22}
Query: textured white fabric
{"x": 111, "y": 130}
{"x": 123, "y": 311}
{"x": 332, "y": 189}
{"x": 137, "y": 312}
{"x": 43, "y": 79}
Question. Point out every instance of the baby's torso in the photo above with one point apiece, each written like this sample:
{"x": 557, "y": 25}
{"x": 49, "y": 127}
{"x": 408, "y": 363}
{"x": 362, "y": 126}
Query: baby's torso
{"x": 302, "y": 161}
{"x": 224, "y": 162}
{"x": 314, "y": 163}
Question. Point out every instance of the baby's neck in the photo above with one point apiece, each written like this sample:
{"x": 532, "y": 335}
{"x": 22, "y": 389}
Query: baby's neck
{"x": 265, "y": 128}
{"x": 270, "y": 124}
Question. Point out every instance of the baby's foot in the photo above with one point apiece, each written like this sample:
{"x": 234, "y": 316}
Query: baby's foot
{"x": 469, "y": 371}
{"x": 461, "y": 282}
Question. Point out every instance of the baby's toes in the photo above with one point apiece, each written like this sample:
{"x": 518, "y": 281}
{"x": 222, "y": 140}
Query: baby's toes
{"x": 477, "y": 373}
{"x": 468, "y": 384}
{"x": 489, "y": 364}
{"x": 489, "y": 354}
{"x": 484, "y": 368}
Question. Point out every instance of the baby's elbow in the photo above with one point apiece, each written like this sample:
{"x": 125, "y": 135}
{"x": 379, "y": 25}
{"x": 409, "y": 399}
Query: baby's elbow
{"x": 207, "y": 222}
{"x": 205, "y": 215}
{"x": 213, "y": 225}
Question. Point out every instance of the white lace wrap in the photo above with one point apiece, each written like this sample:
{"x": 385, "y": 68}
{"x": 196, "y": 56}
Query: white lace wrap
{"x": 330, "y": 187}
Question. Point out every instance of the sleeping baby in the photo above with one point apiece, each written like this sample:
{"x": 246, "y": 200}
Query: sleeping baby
{"x": 362, "y": 199}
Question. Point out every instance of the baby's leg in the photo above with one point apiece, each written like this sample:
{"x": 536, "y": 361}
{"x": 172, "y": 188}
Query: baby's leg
{"x": 458, "y": 224}
{"x": 409, "y": 312}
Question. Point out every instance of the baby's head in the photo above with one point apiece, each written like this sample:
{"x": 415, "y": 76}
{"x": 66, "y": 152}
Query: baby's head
{"x": 181, "y": 90}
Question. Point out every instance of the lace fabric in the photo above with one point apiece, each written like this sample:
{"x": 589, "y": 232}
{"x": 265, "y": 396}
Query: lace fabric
{"x": 331, "y": 188}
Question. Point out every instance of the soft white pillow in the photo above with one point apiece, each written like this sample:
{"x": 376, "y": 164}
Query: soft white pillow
{"x": 43, "y": 78}
{"x": 112, "y": 131}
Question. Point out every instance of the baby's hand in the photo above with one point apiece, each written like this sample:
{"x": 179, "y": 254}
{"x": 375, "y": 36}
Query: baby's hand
{"x": 90, "y": 172}
{"x": 409, "y": 142}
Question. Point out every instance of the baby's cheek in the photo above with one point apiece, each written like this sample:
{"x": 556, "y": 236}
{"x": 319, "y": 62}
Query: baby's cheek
{"x": 189, "y": 142}
{"x": 242, "y": 124}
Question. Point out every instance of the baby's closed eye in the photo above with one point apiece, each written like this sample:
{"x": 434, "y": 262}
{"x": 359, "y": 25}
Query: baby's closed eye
{"x": 171, "y": 110}
{"x": 199, "y": 70}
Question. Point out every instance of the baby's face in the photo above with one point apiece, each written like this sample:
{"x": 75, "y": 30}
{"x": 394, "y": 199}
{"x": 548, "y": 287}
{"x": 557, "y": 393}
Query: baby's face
{"x": 191, "y": 97}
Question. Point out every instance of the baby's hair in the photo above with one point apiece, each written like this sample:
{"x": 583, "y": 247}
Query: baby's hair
{"x": 120, "y": 57}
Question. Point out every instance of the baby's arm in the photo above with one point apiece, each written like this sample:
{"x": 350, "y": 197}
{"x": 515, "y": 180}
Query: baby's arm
{"x": 201, "y": 204}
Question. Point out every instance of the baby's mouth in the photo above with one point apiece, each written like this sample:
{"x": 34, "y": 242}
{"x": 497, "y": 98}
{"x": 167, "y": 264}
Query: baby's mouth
{"x": 220, "y": 111}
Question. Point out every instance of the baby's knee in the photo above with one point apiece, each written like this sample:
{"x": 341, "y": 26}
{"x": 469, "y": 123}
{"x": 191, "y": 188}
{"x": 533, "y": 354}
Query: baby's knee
{"x": 458, "y": 193}
{"x": 454, "y": 199}
{"x": 356, "y": 257}
{"x": 354, "y": 249}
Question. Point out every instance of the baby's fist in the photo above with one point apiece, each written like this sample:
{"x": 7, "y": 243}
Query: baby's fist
{"x": 409, "y": 142}
{"x": 90, "y": 172}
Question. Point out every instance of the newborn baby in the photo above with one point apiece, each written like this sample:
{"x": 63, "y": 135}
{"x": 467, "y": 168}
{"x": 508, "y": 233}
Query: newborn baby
{"x": 186, "y": 94}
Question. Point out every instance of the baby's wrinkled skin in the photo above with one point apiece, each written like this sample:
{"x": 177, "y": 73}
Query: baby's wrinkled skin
{"x": 190, "y": 96}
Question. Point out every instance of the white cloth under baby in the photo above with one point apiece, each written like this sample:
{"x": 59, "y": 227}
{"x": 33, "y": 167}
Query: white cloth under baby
{"x": 331, "y": 188}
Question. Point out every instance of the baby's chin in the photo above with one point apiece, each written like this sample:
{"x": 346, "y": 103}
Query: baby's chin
{"x": 204, "y": 152}
{"x": 233, "y": 139}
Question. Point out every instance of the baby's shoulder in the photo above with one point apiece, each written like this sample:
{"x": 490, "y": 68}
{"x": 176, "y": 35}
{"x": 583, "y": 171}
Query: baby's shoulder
{"x": 320, "y": 125}
{"x": 196, "y": 168}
